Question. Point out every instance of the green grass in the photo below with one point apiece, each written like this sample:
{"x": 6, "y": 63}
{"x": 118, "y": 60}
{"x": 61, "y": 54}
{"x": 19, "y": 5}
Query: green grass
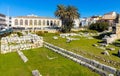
{"x": 84, "y": 47}
{"x": 12, "y": 65}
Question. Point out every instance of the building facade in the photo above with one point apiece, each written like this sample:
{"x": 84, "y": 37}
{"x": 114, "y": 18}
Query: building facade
{"x": 76, "y": 23}
{"x": 33, "y": 21}
{"x": 8, "y": 21}
{"x": 2, "y": 20}
{"x": 110, "y": 18}
{"x": 87, "y": 21}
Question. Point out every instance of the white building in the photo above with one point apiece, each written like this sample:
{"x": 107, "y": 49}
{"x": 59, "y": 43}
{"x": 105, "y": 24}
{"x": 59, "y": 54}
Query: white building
{"x": 8, "y": 21}
{"x": 33, "y": 21}
{"x": 76, "y": 23}
{"x": 2, "y": 20}
{"x": 84, "y": 21}
{"x": 87, "y": 21}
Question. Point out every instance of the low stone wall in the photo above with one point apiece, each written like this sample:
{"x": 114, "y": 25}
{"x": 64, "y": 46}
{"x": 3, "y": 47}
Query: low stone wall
{"x": 14, "y": 43}
{"x": 85, "y": 61}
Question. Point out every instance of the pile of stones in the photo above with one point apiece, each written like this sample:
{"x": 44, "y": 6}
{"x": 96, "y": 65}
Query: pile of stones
{"x": 68, "y": 34}
{"x": 110, "y": 39}
{"x": 55, "y": 37}
{"x": 14, "y": 42}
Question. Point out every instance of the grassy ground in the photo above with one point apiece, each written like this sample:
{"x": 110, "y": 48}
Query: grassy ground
{"x": 84, "y": 47}
{"x": 12, "y": 65}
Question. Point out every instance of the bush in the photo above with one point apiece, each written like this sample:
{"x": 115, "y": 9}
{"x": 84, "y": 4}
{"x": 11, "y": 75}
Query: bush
{"x": 88, "y": 31}
{"x": 99, "y": 26}
{"x": 40, "y": 33}
{"x": 57, "y": 33}
{"x": 45, "y": 31}
{"x": 19, "y": 33}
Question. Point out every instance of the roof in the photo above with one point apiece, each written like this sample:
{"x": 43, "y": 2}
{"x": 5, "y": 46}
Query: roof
{"x": 110, "y": 13}
{"x": 2, "y": 15}
{"x": 34, "y": 16}
{"x": 110, "y": 16}
{"x": 95, "y": 16}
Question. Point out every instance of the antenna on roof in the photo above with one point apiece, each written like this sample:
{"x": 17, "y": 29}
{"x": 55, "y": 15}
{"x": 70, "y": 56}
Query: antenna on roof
{"x": 8, "y": 16}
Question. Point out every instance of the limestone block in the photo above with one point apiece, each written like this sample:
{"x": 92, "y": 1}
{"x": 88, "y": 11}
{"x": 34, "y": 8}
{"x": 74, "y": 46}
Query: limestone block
{"x": 36, "y": 73}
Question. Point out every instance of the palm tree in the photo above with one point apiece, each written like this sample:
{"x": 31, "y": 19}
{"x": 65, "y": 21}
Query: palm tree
{"x": 67, "y": 16}
{"x": 72, "y": 13}
{"x": 60, "y": 12}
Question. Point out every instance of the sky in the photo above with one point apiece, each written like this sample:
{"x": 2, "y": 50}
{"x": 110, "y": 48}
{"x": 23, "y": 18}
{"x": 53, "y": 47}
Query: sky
{"x": 46, "y": 8}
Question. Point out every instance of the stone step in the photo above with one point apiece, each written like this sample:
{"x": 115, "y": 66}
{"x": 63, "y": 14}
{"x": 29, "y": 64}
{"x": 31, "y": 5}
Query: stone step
{"x": 91, "y": 62}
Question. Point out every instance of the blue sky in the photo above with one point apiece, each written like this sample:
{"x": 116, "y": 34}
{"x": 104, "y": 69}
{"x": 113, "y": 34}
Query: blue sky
{"x": 47, "y": 7}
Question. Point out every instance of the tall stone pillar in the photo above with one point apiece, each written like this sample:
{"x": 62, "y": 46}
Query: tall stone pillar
{"x": 118, "y": 28}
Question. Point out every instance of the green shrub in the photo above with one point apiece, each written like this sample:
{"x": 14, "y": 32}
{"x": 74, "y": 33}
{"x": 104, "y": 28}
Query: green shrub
{"x": 19, "y": 33}
{"x": 57, "y": 33}
{"x": 40, "y": 33}
{"x": 45, "y": 31}
{"x": 88, "y": 31}
{"x": 99, "y": 26}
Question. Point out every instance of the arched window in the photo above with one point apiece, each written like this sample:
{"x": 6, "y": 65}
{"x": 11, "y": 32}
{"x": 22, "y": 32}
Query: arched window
{"x": 54, "y": 22}
{"x": 21, "y": 22}
{"x": 58, "y": 23}
{"x": 26, "y": 22}
{"x": 43, "y": 22}
{"x": 39, "y": 22}
{"x": 51, "y": 23}
{"x": 35, "y": 22}
{"x": 31, "y": 22}
{"x": 47, "y": 22}
{"x": 16, "y": 22}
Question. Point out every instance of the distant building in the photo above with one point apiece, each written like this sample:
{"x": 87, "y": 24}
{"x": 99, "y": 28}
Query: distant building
{"x": 76, "y": 23}
{"x": 35, "y": 22}
{"x": 3, "y": 25}
{"x": 2, "y": 20}
{"x": 8, "y": 21}
{"x": 110, "y": 18}
{"x": 84, "y": 22}
{"x": 87, "y": 21}
{"x": 95, "y": 19}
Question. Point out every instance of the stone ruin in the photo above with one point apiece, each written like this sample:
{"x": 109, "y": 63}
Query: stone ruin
{"x": 36, "y": 73}
{"x": 110, "y": 39}
{"x": 118, "y": 53}
{"x": 15, "y": 43}
{"x": 116, "y": 35}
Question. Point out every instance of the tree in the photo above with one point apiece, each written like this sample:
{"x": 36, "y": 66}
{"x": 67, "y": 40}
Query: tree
{"x": 99, "y": 26}
{"x": 60, "y": 13}
{"x": 67, "y": 16}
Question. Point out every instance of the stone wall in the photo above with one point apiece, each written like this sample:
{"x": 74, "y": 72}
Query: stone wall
{"x": 14, "y": 43}
{"x": 96, "y": 66}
